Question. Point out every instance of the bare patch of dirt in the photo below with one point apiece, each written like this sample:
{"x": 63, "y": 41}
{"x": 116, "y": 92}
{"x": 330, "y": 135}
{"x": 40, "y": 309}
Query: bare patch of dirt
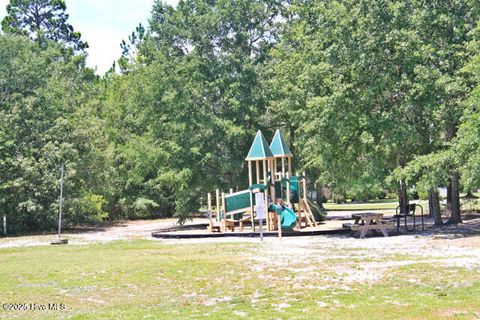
{"x": 141, "y": 229}
{"x": 343, "y": 261}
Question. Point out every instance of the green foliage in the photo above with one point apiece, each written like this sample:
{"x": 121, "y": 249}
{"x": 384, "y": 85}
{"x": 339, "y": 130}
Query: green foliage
{"x": 42, "y": 20}
{"x": 371, "y": 85}
{"x": 369, "y": 93}
{"x": 46, "y": 119}
{"x": 87, "y": 208}
{"x": 467, "y": 144}
{"x": 184, "y": 112}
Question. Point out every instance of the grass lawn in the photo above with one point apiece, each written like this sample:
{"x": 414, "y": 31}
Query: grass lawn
{"x": 326, "y": 279}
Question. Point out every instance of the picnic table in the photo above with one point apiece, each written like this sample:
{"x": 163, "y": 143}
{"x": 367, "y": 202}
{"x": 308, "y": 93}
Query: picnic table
{"x": 367, "y": 221}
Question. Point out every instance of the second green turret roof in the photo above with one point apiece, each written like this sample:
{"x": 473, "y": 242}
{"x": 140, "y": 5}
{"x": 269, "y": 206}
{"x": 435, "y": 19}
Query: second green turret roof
{"x": 279, "y": 147}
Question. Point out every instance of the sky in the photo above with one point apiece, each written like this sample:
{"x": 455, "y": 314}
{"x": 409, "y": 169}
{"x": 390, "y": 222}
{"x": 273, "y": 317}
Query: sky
{"x": 104, "y": 24}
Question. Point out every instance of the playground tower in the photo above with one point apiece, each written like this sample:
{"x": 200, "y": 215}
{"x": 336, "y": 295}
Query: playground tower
{"x": 270, "y": 173}
{"x": 282, "y": 154}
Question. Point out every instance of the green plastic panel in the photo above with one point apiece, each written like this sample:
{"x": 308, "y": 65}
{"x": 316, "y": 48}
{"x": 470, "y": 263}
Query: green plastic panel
{"x": 278, "y": 190}
{"x": 238, "y": 201}
{"x": 296, "y": 192}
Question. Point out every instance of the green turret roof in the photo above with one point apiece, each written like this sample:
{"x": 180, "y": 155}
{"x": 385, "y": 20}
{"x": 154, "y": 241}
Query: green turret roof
{"x": 279, "y": 147}
{"x": 259, "y": 149}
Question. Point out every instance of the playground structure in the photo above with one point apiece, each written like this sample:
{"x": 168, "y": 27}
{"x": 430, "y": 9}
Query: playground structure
{"x": 272, "y": 165}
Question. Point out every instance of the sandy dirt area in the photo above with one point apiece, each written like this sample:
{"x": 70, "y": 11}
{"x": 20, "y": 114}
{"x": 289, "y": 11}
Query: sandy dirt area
{"x": 341, "y": 260}
{"x": 454, "y": 245}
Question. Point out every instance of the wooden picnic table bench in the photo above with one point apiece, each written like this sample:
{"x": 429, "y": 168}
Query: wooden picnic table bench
{"x": 366, "y": 221}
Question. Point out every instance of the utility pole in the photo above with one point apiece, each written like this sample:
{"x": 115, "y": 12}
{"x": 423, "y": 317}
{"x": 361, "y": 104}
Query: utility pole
{"x": 62, "y": 174}
{"x": 62, "y": 180}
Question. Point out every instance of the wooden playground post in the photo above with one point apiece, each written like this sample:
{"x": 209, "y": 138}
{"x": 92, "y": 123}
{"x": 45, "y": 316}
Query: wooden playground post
{"x": 252, "y": 218}
{"x": 279, "y": 223}
{"x": 250, "y": 182}
{"x": 277, "y": 217}
{"x": 272, "y": 188}
{"x": 224, "y": 225}
{"x": 250, "y": 174}
{"x": 217, "y": 199}
{"x": 209, "y": 196}
{"x": 264, "y": 167}
{"x": 257, "y": 163}
{"x": 289, "y": 159}
{"x": 265, "y": 192}
{"x": 272, "y": 175}
{"x": 288, "y": 180}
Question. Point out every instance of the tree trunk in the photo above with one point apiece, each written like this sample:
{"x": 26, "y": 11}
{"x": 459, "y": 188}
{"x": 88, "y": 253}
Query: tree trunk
{"x": 434, "y": 205}
{"x": 449, "y": 196}
{"x": 320, "y": 196}
{"x": 455, "y": 200}
{"x": 402, "y": 196}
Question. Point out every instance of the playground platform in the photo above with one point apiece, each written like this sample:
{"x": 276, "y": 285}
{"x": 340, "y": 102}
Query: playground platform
{"x": 333, "y": 225}
{"x": 200, "y": 230}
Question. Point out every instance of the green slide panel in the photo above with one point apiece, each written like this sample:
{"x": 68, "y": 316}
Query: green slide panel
{"x": 288, "y": 219}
